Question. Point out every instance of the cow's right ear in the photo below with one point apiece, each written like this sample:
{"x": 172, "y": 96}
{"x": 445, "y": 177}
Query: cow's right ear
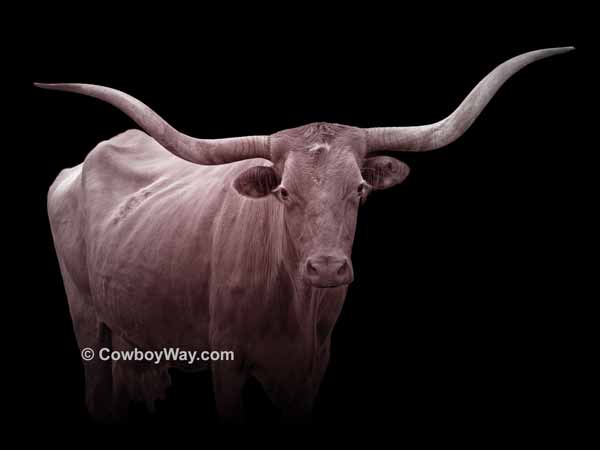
{"x": 256, "y": 182}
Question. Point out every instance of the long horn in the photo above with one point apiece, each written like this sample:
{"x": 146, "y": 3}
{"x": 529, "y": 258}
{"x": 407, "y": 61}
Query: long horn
{"x": 439, "y": 134}
{"x": 199, "y": 151}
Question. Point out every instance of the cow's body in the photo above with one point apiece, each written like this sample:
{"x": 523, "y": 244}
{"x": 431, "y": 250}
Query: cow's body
{"x": 165, "y": 253}
{"x": 237, "y": 244}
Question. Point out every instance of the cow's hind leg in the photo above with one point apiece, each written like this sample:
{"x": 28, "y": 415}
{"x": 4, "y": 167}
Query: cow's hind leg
{"x": 92, "y": 334}
{"x": 136, "y": 381}
{"x": 67, "y": 224}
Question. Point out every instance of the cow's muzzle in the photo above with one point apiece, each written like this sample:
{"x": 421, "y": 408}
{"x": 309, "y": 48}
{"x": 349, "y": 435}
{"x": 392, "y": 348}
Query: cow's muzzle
{"x": 325, "y": 271}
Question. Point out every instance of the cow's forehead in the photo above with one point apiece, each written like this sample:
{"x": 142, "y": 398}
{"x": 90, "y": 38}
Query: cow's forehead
{"x": 322, "y": 166}
{"x": 318, "y": 142}
{"x": 319, "y": 131}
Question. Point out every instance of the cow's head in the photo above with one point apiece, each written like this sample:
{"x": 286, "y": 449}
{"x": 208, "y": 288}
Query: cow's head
{"x": 321, "y": 175}
{"x": 320, "y": 172}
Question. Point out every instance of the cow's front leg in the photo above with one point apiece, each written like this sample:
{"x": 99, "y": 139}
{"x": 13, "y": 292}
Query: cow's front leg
{"x": 229, "y": 378}
{"x": 296, "y": 397}
{"x": 298, "y": 409}
{"x": 228, "y": 382}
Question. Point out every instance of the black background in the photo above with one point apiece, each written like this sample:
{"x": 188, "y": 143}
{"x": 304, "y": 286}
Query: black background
{"x": 461, "y": 311}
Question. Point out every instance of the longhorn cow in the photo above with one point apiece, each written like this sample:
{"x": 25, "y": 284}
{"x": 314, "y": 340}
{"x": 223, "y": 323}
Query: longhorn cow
{"x": 241, "y": 244}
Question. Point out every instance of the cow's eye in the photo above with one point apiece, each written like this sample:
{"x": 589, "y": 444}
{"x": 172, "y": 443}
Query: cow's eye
{"x": 360, "y": 189}
{"x": 284, "y": 193}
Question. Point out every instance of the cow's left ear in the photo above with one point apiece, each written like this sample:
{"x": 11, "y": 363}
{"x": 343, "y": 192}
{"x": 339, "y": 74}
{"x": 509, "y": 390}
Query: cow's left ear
{"x": 256, "y": 182}
{"x": 383, "y": 172}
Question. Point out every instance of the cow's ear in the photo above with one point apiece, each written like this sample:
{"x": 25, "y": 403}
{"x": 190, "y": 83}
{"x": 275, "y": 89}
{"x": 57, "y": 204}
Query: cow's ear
{"x": 383, "y": 172}
{"x": 256, "y": 182}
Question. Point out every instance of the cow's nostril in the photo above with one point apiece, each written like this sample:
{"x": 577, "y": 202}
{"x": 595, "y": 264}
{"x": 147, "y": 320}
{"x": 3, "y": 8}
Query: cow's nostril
{"x": 310, "y": 268}
{"x": 343, "y": 269}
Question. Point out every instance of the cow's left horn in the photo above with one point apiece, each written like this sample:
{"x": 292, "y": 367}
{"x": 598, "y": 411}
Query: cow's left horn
{"x": 439, "y": 134}
{"x": 199, "y": 151}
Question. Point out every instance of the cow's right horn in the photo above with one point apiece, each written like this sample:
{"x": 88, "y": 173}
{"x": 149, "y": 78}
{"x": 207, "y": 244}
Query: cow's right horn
{"x": 199, "y": 151}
